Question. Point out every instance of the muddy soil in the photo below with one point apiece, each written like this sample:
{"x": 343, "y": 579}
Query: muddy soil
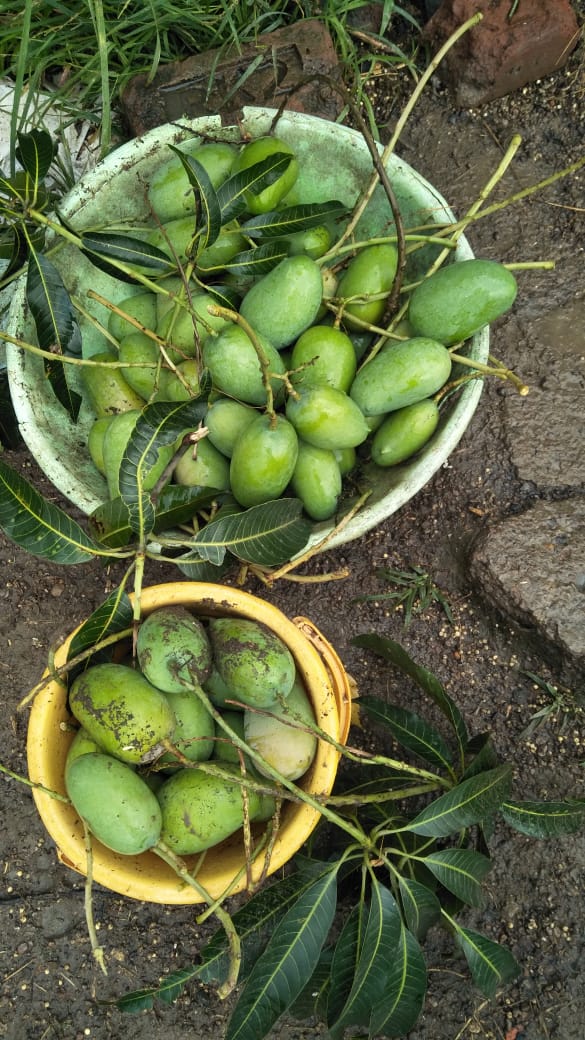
{"x": 50, "y": 988}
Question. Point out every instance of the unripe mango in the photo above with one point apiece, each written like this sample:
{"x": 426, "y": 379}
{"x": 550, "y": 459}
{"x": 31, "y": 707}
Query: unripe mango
{"x": 138, "y": 349}
{"x": 124, "y": 713}
{"x": 327, "y": 418}
{"x": 195, "y": 729}
{"x": 285, "y": 301}
{"x": 142, "y": 306}
{"x": 173, "y": 649}
{"x": 170, "y": 193}
{"x": 324, "y": 355}
{"x": 255, "y": 152}
{"x": 263, "y": 461}
{"x": 404, "y": 432}
{"x": 95, "y": 442}
{"x": 203, "y": 465}
{"x": 458, "y": 300}
{"x": 317, "y": 481}
{"x": 116, "y": 438}
{"x": 188, "y": 329}
{"x": 284, "y": 747}
{"x": 200, "y": 810}
{"x": 370, "y": 273}
{"x": 82, "y": 744}
{"x": 226, "y": 421}
{"x": 118, "y": 806}
{"x": 106, "y": 387}
{"x": 401, "y": 374}
{"x": 252, "y": 660}
{"x": 234, "y": 367}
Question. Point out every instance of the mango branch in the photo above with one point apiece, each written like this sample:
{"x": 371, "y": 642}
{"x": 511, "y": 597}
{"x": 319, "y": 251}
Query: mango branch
{"x": 497, "y": 369}
{"x": 96, "y": 948}
{"x": 229, "y": 315}
{"x": 33, "y": 785}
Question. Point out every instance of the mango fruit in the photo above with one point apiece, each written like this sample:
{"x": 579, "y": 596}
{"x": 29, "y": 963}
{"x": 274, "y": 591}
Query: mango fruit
{"x": 284, "y": 302}
{"x": 234, "y": 367}
{"x": 401, "y": 374}
{"x": 123, "y": 712}
{"x": 226, "y": 420}
{"x": 316, "y": 480}
{"x": 170, "y": 193}
{"x": 369, "y": 274}
{"x": 118, "y": 806}
{"x": 327, "y": 418}
{"x": 107, "y": 389}
{"x": 203, "y": 465}
{"x": 323, "y": 355}
{"x": 82, "y": 744}
{"x": 141, "y": 306}
{"x": 458, "y": 300}
{"x": 200, "y": 810}
{"x": 284, "y": 747}
{"x": 195, "y": 730}
{"x": 95, "y": 442}
{"x": 404, "y": 432}
{"x": 187, "y": 329}
{"x": 173, "y": 649}
{"x": 255, "y": 152}
{"x": 143, "y": 357}
{"x": 116, "y": 438}
{"x": 252, "y": 660}
{"x": 263, "y": 460}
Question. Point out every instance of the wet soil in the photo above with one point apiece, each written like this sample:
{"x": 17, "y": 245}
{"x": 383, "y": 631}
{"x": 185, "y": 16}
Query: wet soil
{"x": 50, "y": 988}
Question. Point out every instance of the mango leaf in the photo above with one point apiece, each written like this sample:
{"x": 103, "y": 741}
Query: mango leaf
{"x": 344, "y": 963}
{"x": 38, "y": 526}
{"x": 268, "y": 534}
{"x": 395, "y": 1013}
{"x": 287, "y": 962}
{"x": 545, "y": 819}
{"x": 35, "y": 152}
{"x": 103, "y": 248}
{"x": 56, "y": 325}
{"x": 490, "y": 964}
{"x": 159, "y": 424}
{"x": 231, "y": 194}
{"x": 206, "y": 201}
{"x": 410, "y": 730}
{"x": 252, "y": 263}
{"x": 113, "y": 615}
{"x": 132, "y": 1003}
{"x": 311, "y": 1000}
{"x": 461, "y": 872}
{"x": 15, "y": 246}
{"x": 397, "y": 655}
{"x": 470, "y": 802}
{"x": 380, "y": 939}
{"x": 291, "y": 219}
{"x": 196, "y": 569}
{"x": 480, "y": 755}
{"x": 109, "y": 524}
{"x": 420, "y": 906}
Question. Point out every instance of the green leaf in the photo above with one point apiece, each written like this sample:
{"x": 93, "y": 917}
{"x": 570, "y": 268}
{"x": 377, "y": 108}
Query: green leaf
{"x": 395, "y": 1013}
{"x": 311, "y": 1000}
{"x": 420, "y": 906}
{"x": 206, "y": 201}
{"x": 397, "y": 655}
{"x": 470, "y": 802}
{"x": 109, "y": 524}
{"x": 381, "y": 936}
{"x": 103, "y": 248}
{"x": 252, "y": 263}
{"x": 268, "y": 534}
{"x": 38, "y": 526}
{"x": 490, "y": 964}
{"x": 56, "y": 325}
{"x": 113, "y": 615}
{"x": 35, "y": 152}
{"x": 344, "y": 963}
{"x": 545, "y": 819}
{"x": 410, "y": 730}
{"x": 480, "y": 755}
{"x": 132, "y": 1003}
{"x": 231, "y": 194}
{"x": 287, "y": 962}
{"x": 290, "y": 220}
{"x": 196, "y": 569}
{"x": 461, "y": 872}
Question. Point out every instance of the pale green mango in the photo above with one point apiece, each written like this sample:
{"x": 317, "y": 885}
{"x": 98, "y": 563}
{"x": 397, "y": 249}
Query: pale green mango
{"x": 117, "y": 805}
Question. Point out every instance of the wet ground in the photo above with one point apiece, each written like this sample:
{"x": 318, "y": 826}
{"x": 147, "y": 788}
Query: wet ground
{"x": 520, "y": 458}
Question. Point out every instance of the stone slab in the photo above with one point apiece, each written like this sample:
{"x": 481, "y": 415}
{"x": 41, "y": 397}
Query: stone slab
{"x": 276, "y": 68}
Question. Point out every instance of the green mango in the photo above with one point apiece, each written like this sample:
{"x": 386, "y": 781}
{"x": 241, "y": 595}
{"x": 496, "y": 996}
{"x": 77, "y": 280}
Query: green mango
{"x": 284, "y": 747}
{"x": 226, "y": 420}
{"x": 82, "y": 744}
{"x": 173, "y": 388}
{"x": 346, "y": 459}
{"x": 218, "y": 691}
{"x": 225, "y": 750}
{"x": 142, "y": 306}
{"x": 138, "y": 349}
{"x": 123, "y": 712}
{"x": 170, "y": 192}
{"x": 95, "y": 442}
{"x": 255, "y": 152}
{"x": 323, "y": 355}
{"x": 186, "y": 330}
{"x": 401, "y": 374}
{"x": 235, "y": 369}
{"x": 227, "y": 245}
{"x": 404, "y": 432}
{"x": 313, "y": 242}
{"x": 316, "y": 480}
{"x": 116, "y": 438}
{"x": 173, "y": 649}
{"x": 370, "y": 273}
{"x": 195, "y": 731}
{"x": 200, "y": 810}
{"x": 327, "y": 418}
{"x": 458, "y": 300}
{"x": 263, "y": 460}
{"x": 252, "y": 660}
{"x": 174, "y": 237}
{"x": 203, "y": 465}
{"x": 117, "y": 805}
{"x": 106, "y": 387}
{"x": 284, "y": 302}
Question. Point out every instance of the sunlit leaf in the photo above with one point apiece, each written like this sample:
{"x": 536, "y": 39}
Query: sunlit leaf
{"x": 420, "y": 906}
{"x": 461, "y": 871}
{"x": 232, "y": 193}
{"x": 490, "y": 964}
{"x": 410, "y": 730}
{"x": 540, "y": 819}
{"x": 269, "y": 534}
{"x": 470, "y": 802}
{"x": 291, "y": 219}
{"x": 398, "y": 1008}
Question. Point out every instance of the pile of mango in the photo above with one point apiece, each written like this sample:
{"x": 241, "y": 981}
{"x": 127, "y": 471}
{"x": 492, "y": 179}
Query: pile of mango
{"x": 136, "y": 768}
{"x": 333, "y": 403}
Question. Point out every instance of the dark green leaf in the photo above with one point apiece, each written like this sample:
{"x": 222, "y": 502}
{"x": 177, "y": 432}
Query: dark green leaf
{"x": 480, "y": 755}
{"x": 196, "y": 569}
{"x": 396, "y": 1012}
{"x": 420, "y": 905}
{"x": 206, "y": 201}
{"x": 14, "y": 248}
{"x": 290, "y": 220}
{"x": 232, "y": 193}
{"x": 490, "y": 964}
{"x": 470, "y": 802}
{"x": 35, "y": 153}
{"x": 109, "y": 524}
{"x": 461, "y": 872}
{"x": 269, "y": 534}
{"x": 253, "y": 263}
{"x": 545, "y": 819}
{"x": 311, "y": 1000}
{"x": 56, "y": 325}
{"x": 410, "y": 730}
{"x": 287, "y": 962}
{"x": 380, "y": 939}
{"x": 38, "y": 526}
{"x": 397, "y": 655}
{"x": 104, "y": 249}
{"x": 113, "y": 615}
{"x": 132, "y": 1003}
{"x": 345, "y": 960}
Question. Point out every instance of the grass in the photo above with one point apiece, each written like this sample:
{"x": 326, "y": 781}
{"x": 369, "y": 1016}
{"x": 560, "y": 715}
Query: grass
{"x": 85, "y": 51}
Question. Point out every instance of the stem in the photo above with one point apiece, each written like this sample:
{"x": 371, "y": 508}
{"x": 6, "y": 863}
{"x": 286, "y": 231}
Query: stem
{"x": 96, "y": 948}
{"x": 35, "y": 787}
{"x": 501, "y": 372}
{"x": 229, "y": 315}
